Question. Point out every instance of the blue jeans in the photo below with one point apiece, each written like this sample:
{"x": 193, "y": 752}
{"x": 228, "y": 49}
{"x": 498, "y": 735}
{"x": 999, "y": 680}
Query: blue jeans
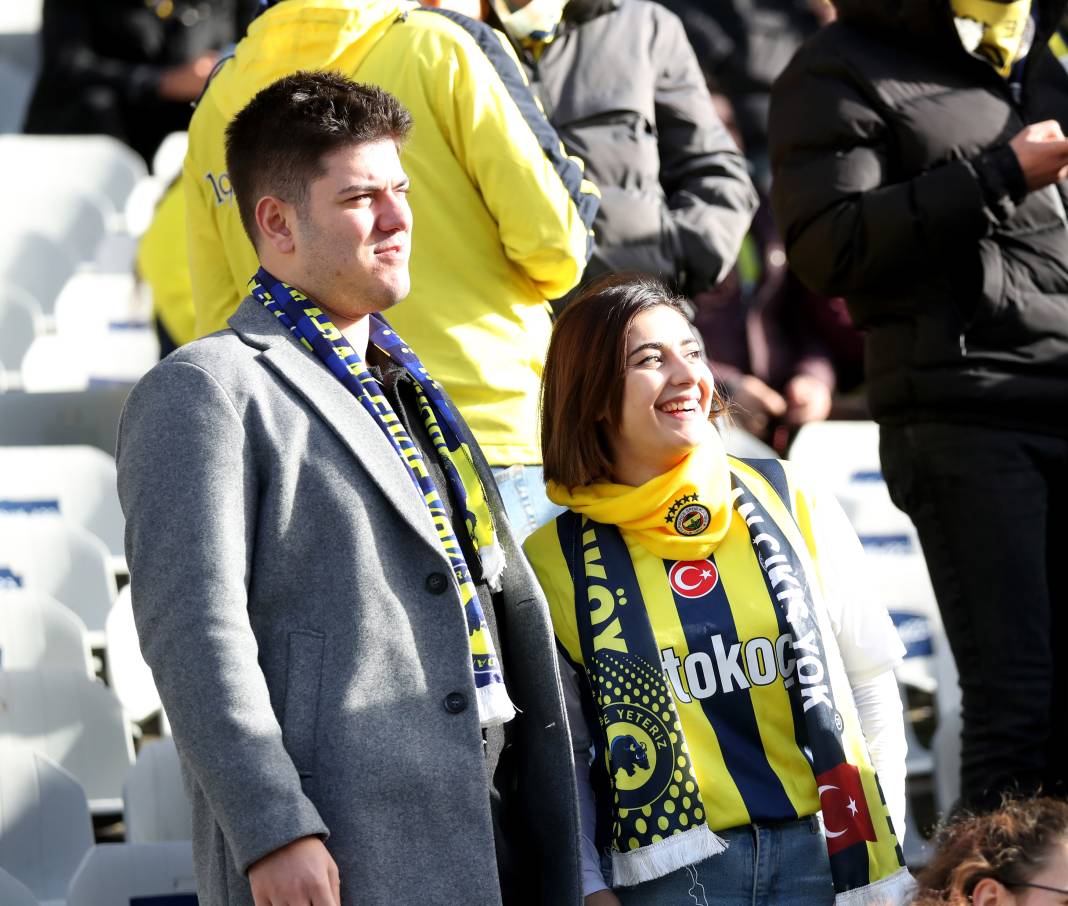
{"x": 523, "y": 491}
{"x": 764, "y": 865}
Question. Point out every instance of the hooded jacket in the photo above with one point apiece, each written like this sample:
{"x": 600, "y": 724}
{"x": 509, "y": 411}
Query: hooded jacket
{"x": 895, "y": 186}
{"x": 622, "y": 86}
{"x": 501, "y": 215}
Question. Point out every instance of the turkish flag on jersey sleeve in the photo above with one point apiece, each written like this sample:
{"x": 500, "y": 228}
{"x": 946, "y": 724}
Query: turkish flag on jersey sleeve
{"x": 845, "y": 810}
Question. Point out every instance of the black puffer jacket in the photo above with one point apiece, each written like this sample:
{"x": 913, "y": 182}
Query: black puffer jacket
{"x": 895, "y": 186}
{"x": 622, "y": 87}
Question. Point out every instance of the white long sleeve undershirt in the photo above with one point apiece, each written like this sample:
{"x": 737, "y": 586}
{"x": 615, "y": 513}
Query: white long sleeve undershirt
{"x": 878, "y": 706}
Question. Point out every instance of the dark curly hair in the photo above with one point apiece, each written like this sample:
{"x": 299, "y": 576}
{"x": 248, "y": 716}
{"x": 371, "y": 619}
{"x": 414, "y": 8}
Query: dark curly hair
{"x": 1010, "y": 845}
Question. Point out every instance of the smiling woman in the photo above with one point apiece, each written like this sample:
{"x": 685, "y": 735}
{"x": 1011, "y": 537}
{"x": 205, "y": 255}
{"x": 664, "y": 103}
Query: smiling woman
{"x": 722, "y": 654}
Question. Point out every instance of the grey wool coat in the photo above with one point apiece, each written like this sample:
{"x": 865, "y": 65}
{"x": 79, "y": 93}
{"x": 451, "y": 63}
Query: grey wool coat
{"x": 287, "y": 588}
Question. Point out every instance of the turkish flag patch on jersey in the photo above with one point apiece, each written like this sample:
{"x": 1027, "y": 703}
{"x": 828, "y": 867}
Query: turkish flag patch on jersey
{"x": 845, "y": 809}
{"x": 693, "y": 578}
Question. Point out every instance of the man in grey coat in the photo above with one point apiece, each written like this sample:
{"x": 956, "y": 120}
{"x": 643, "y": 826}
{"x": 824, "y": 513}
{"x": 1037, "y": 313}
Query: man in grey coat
{"x": 311, "y": 576}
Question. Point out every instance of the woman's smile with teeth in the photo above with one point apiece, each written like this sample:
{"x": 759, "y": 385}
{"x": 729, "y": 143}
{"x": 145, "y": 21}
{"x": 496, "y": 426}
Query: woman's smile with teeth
{"x": 679, "y": 407}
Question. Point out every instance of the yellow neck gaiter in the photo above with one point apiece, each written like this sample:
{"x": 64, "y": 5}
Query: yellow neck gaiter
{"x": 998, "y": 31}
{"x": 679, "y": 515}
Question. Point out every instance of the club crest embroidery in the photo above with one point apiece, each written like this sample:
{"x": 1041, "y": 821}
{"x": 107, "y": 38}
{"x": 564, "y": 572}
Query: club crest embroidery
{"x": 688, "y": 517}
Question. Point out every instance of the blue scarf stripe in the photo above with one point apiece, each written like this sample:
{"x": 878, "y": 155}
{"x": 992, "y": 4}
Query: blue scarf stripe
{"x": 315, "y": 331}
{"x": 629, "y": 686}
{"x": 826, "y": 743}
{"x": 850, "y": 866}
{"x": 731, "y": 715}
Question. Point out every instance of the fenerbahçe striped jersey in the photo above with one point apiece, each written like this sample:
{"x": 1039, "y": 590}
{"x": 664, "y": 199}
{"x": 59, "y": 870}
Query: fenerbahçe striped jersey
{"x": 727, "y": 656}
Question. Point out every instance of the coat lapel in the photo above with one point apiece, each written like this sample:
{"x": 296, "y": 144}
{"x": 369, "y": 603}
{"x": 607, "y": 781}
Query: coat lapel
{"x": 342, "y": 413}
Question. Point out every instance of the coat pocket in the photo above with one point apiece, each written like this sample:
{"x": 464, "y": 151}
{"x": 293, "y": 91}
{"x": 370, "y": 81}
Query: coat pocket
{"x": 304, "y": 669}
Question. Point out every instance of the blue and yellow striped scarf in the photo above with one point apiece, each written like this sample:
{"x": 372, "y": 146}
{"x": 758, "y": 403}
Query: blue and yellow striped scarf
{"x": 662, "y": 816}
{"x": 316, "y": 332}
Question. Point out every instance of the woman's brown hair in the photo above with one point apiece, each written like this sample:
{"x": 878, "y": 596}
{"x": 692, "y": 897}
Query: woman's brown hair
{"x": 582, "y": 387}
{"x": 1010, "y": 845}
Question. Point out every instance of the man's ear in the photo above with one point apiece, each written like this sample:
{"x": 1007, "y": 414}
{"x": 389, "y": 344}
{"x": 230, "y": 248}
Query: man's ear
{"x": 989, "y": 892}
{"x": 274, "y": 220}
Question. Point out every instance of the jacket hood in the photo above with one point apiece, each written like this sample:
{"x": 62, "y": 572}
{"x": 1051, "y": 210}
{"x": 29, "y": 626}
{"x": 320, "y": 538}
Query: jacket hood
{"x": 303, "y": 34}
{"x": 929, "y": 19}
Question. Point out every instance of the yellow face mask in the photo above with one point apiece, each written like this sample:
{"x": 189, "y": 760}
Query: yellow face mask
{"x": 998, "y": 31}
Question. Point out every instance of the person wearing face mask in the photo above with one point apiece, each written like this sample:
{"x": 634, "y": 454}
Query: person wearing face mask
{"x": 1015, "y": 856}
{"x": 724, "y": 657}
{"x": 676, "y": 198}
{"x": 919, "y": 157}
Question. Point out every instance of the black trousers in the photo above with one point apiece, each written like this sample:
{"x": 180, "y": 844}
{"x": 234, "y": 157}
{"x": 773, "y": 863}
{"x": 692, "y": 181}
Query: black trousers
{"x": 991, "y": 510}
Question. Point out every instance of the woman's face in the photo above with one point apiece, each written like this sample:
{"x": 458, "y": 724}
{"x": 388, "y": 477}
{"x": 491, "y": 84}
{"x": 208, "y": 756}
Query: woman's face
{"x": 1053, "y": 874}
{"x": 667, "y": 395}
{"x": 1050, "y": 885}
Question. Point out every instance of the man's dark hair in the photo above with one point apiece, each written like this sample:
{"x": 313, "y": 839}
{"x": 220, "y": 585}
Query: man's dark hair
{"x": 276, "y": 144}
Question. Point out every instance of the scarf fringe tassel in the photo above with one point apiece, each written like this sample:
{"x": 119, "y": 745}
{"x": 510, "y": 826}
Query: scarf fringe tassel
{"x": 494, "y": 705}
{"x": 492, "y": 559}
{"x": 665, "y": 856}
{"x": 897, "y": 889}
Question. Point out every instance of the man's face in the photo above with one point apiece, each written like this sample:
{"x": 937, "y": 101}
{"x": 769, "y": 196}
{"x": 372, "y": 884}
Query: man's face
{"x": 353, "y": 234}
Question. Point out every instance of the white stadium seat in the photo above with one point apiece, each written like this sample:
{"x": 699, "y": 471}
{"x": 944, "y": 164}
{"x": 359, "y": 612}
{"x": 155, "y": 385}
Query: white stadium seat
{"x": 141, "y": 205}
{"x": 45, "y": 827}
{"x": 169, "y": 157}
{"x": 63, "y": 363}
{"x": 116, "y": 253}
{"x": 128, "y": 674}
{"x": 156, "y": 807}
{"x": 76, "y": 482}
{"x": 37, "y": 264}
{"x": 116, "y": 874}
{"x": 92, "y": 302}
{"x": 75, "y": 721}
{"x": 75, "y": 222}
{"x": 14, "y": 893}
{"x": 21, "y": 319}
{"x": 105, "y": 166}
{"x": 36, "y": 631}
{"x": 947, "y": 744}
{"x": 62, "y": 560}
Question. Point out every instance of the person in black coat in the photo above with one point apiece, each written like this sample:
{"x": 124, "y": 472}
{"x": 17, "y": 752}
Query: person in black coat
{"x": 129, "y": 68}
{"x": 917, "y": 167}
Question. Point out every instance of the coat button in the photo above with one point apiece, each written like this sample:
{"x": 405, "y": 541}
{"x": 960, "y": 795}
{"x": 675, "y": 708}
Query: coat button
{"x": 455, "y": 702}
{"x": 436, "y": 583}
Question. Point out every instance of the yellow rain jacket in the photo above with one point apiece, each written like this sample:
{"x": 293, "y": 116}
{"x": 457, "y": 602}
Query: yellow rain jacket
{"x": 501, "y": 215}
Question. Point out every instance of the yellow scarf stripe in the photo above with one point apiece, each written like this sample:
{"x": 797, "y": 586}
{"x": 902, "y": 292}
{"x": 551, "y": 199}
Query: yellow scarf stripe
{"x": 742, "y": 580}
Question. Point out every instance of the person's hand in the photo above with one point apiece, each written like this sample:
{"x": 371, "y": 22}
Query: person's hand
{"x": 185, "y": 82}
{"x": 1042, "y": 152}
{"x": 602, "y": 898}
{"x": 757, "y": 404}
{"x": 301, "y": 873}
{"x": 807, "y": 400}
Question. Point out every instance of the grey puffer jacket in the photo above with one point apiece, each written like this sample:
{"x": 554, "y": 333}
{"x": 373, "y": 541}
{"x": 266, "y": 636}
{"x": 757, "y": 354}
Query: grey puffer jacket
{"x": 621, "y": 85}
